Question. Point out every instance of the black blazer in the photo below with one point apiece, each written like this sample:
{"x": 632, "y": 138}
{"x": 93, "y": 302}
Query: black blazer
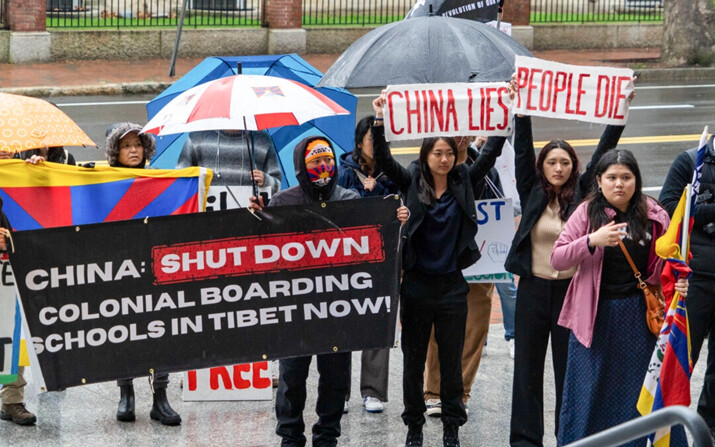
{"x": 461, "y": 181}
{"x": 534, "y": 199}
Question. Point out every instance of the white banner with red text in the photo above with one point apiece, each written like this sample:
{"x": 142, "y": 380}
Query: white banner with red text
{"x": 415, "y": 111}
{"x": 554, "y": 90}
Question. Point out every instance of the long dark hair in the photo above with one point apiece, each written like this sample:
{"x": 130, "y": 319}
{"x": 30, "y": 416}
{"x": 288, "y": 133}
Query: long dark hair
{"x": 426, "y": 192}
{"x": 361, "y": 129}
{"x": 567, "y": 191}
{"x": 637, "y": 212}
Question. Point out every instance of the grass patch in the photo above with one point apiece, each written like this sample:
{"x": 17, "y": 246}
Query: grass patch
{"x": 537, "y": 18}
{"x": 75, "y": 21}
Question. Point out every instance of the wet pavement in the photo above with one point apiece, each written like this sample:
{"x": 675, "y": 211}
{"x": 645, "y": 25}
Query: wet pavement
{"x": 102, "y": 73}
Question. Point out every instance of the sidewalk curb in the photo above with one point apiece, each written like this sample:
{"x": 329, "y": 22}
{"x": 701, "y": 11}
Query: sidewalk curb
{"x": 136, "y": 88}
{"x": 129, "y": 88}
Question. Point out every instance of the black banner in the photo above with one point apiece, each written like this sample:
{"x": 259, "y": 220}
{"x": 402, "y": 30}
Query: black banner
{"x": 115, "y": 300}
{"x": 479, "y": 10}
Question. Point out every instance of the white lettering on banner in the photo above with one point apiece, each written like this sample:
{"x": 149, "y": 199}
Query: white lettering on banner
{"x": 415, "y": 111}
{"x": 72, "y": 275}
{"x": 496, "y": 231}
{"x": 554, "y": 90}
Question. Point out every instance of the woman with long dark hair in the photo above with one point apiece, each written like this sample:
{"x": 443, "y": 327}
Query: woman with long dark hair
{"x": 550, "y": 188}
{"x": 610, "y": 345}
{"x": 440, "y": 243}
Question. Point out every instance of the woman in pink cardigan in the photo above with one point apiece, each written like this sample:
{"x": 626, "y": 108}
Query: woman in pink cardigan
{"x": 610, "y": 345}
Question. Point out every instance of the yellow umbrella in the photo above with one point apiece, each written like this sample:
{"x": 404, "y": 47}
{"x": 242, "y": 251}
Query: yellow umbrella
{"x": 32, "y": 123}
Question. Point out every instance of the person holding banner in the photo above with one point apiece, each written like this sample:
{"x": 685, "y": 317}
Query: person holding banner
{"x": 126, "y": 147}
{"x": 440, "y": 243}
{"x": 610, "y": 345}
{"x": 360, "y": 173}
{"x": 479, "y": 298}
{"x": 317, "y": 173}
{"x": 12, "y": 395}
{"x": 550, "y": 188}
{"x": 701, "y": 305}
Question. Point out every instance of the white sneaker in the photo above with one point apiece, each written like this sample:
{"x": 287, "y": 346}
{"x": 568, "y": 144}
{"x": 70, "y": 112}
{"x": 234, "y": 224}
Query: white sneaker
{"x": 373, "y": 405}
{"x": 511, "y": 348}
{"x": 434, "y": 407}
{"x": 346, "y": 408}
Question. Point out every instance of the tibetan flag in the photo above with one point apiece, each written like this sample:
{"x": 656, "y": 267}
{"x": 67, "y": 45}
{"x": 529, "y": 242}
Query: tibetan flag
{"x": 54, "y": 195}
{"x": 667, "y": 380}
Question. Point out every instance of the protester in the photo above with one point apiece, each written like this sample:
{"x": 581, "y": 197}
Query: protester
{"x": 360, "y": 173}
{"x": 56, "y": 154}
{"x": 225, "y": 152}
{"x": 358, "y": 170}
{"x": 701, "y": 306}
{"x": 549, "y": 188}
{"x": 440, "y": 232}
{"x": 12, "y": 395}
{"x": 610, "y": 345}
{"x": 479, "y": 298}
{"x": 126, "y": 148}
{"x": 316, "y": 171}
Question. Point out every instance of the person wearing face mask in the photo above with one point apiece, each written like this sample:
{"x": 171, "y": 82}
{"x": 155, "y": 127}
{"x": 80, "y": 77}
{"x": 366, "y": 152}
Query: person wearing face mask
{"x": 317, "y": 173}
{"x": 125, "y": 147}
{"x": 550, "y": 188}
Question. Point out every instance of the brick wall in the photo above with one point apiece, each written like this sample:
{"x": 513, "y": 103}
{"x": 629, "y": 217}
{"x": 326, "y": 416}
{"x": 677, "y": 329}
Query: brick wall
{"x": 282, "y": 14}
{"x": 517, "y": 12}
{"x": 25, "y": 15}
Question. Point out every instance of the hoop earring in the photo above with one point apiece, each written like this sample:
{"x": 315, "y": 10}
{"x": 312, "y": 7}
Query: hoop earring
{"x": 600, "y": 191}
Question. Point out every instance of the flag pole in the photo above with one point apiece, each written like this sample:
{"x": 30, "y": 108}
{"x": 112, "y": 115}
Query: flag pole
{"x": 685, "y": 229}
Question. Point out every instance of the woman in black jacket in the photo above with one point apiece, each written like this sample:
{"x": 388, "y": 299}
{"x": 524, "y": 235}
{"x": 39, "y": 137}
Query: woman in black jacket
{"x": 550, "y": 188}
{"x": 440, "y": 243}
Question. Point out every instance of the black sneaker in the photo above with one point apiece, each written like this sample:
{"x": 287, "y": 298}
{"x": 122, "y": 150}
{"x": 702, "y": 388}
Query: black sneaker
{"x": 414, "y": 436}
{"x": 451, "y": 435}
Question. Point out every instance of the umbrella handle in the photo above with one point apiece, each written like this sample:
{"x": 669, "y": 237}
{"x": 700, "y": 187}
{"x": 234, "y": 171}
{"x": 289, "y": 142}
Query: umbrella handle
{"x": 250, "y": 158}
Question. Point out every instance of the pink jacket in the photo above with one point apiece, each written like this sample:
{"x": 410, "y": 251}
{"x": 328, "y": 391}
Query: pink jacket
{"x": 581, "y": 302}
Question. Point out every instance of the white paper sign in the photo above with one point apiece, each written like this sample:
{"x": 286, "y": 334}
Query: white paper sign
{"x": 9, "y": 329}
{"x": 222, "y": 198}
{"x": 554, "y": 90}
{"x": 496, "y": 231}
{"x": 250, "y": 381}
{"x": 504, "y": 27}
{"x": 415, "y": 111}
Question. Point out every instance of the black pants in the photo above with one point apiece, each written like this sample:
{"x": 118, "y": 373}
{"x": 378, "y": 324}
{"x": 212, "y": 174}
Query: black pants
{"x": 538, "y": 306}
{"x": 701, "y": 316}
{"x": 439, "y": 300}
{"x": 161, "y": 380}
{"x": 334, "y": 370}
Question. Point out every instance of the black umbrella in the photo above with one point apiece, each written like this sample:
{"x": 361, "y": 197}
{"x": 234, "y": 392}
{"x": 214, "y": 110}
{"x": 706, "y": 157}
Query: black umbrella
{"x": 426, "y": 50}
{"x": 481, "y": 10}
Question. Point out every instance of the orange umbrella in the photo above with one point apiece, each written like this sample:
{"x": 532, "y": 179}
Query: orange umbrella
{"x": 32, "y": 123}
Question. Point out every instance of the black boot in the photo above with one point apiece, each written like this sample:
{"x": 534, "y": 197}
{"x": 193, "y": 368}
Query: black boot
{"x": 451, "y": 435}
{"x": 414, "y": 436}
{"x": 125, "y": 412}
{"x": 162, "y": 411}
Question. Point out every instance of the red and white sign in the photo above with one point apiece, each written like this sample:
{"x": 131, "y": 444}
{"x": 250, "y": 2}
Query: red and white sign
{"x": 591, "y": 94}
{"x": 415, "y": 111}
{"x": 250, "y": 381}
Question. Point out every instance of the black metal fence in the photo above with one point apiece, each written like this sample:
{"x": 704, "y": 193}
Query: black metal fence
{"x": 354, "y": 12}
{"x": 151, "y": 13}
{"x": 214, "y": 13}
{"x": 247, "y": 13}
{"x": 588, "y": 11}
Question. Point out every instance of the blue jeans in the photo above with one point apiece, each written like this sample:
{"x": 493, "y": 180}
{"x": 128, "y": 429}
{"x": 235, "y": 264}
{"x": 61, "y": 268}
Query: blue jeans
{"x": 507, "y": 295}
